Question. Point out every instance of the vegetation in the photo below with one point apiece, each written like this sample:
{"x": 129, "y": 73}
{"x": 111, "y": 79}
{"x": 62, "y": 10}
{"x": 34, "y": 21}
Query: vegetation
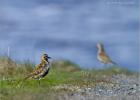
{"x": 63, "y": 77}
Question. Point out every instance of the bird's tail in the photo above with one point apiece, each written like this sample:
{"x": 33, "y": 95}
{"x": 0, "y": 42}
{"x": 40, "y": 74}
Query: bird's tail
{"x": 20, "y": 83}
{"x": 27, "y": 77}
{"x": 112, "y": 62}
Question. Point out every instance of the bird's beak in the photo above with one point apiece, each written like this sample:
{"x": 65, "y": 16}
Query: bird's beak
{"x": 49, "y": 57}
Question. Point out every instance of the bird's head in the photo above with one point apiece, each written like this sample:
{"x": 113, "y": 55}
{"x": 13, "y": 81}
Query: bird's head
{"x": 45, "y": 57}
{"x": 100, "y": 45}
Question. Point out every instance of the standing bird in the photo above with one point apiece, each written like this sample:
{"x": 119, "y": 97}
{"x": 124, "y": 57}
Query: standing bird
{"x": 41, "y": 70}
{"x": 102, "y": 56}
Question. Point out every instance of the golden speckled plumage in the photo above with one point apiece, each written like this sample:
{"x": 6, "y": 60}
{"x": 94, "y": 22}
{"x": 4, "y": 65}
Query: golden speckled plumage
{"x": 41, "y": 70}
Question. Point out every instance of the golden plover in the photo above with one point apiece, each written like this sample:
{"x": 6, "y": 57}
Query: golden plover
{"x": 102, "y": 56}
{"x": 41, "y": 70}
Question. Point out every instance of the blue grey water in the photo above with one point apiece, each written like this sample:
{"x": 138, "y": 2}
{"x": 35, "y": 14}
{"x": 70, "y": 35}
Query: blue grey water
{"x": 70, "y": 29}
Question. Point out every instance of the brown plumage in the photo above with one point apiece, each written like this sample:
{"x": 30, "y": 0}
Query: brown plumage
{"x": 41, "y": 70}
{"x": 102, "y": 56}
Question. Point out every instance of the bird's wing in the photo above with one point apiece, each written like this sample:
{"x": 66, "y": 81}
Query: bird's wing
{"x": 105, "y": 58}
{"x": 35, "y": 73}
{"x": 38, "y": 66}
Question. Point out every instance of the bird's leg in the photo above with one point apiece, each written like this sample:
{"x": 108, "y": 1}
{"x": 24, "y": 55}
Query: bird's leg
{"x": 104, "y": 65}
{"x": 39, "y": 82}
{"x": 107, "y": 66}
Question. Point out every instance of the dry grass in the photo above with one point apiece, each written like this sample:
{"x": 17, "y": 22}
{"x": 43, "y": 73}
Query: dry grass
{"x": 63, "y": 73}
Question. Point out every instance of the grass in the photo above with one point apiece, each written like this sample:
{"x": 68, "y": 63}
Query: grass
{"x": 63, "y": 77}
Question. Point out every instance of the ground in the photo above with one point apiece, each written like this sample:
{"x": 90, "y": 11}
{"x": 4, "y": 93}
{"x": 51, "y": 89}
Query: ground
{"x": 67, "y": 81}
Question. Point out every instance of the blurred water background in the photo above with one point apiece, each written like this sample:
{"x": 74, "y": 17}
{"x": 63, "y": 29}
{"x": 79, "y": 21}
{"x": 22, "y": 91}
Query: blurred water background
{"x": 70, "y": 29}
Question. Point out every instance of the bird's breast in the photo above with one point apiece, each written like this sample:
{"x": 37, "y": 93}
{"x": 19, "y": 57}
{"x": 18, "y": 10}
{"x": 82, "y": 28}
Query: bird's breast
{"x": 45, "y": 72}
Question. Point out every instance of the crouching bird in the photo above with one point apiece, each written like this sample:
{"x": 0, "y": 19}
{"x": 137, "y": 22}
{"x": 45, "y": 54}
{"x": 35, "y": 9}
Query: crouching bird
{"x": 102, "y": 56}
{"x": 41, "y": 70}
